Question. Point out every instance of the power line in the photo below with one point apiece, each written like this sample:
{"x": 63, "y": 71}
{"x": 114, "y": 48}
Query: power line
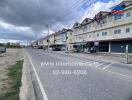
{"x": 78, "y": 4}
{"x": 75, "y": 5}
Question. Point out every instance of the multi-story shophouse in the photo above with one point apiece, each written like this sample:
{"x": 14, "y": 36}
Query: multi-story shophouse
{"x": 70, "y": 40}
{"x": 110, "y": 34}
{"x": 51, "y": 39}
{"x": 45, "y": 42}
{"x": 63, "y": 39}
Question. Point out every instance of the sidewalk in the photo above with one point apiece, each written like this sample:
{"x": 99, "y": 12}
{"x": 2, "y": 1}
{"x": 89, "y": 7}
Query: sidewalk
{"x": 100, "y": 57}
{"x": 103, "y": 57}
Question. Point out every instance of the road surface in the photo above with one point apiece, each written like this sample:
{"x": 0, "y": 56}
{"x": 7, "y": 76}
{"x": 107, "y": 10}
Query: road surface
{"x": 64, "y": 77}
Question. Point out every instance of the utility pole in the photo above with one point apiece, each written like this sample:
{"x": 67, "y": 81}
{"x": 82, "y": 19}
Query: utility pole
{"x": 48, "y": 36}
{"x": 35, "y": 39}
{"x": 126, "y": 54}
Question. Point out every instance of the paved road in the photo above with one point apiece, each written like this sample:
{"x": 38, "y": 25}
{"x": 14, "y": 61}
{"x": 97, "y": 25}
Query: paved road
{"x": 65, "y": 77}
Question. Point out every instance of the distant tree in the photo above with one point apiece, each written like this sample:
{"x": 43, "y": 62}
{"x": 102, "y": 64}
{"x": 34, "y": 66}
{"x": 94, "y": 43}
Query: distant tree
{"x": 8, "y": 44}
{"x": 1, "y": 44}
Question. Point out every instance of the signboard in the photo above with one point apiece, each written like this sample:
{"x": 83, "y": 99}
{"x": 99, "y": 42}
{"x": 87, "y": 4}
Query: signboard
{"x": 96, "y": 43}
{"x": 117, "y": 10}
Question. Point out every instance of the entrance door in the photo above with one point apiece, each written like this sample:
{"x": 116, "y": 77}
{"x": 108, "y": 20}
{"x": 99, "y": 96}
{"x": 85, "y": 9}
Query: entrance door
{"x": 104, "y": 47}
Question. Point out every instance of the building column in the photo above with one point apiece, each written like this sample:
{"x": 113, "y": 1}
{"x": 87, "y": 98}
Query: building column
{"x": 109, "y": 47}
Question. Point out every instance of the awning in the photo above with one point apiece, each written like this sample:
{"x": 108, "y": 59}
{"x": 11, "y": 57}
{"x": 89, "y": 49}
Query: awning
{"x": 80, "y": 43}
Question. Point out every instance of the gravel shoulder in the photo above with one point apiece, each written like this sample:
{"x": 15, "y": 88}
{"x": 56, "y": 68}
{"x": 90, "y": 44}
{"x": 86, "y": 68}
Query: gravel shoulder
{"x": 6, "y": 60}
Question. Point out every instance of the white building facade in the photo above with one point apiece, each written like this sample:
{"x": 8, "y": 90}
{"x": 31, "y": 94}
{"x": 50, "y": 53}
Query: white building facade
{"x": 112, "y": 33}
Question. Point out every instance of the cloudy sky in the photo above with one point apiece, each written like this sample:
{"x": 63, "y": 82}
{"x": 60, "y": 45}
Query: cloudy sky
{"x": 26, "y": 20}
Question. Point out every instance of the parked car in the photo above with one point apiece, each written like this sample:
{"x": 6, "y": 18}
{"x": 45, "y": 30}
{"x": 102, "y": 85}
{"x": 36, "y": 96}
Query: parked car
{"x": 40, "y": 47}
{"x": 50, "y": 49}
{"x": 63, "y": 49}
{"x": 2, "y": 50}
{"x": 92, "y": 50}
{"x": 56, "y": 49}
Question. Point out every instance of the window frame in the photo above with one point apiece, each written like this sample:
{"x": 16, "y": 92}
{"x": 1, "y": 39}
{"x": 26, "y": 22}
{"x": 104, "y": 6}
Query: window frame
{"x": 127, "y": 30}
{"x": 128, "y": 14}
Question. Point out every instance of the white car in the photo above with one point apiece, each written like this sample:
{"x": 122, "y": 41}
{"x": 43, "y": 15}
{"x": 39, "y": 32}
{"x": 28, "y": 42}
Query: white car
{"x": 2, "y": 50}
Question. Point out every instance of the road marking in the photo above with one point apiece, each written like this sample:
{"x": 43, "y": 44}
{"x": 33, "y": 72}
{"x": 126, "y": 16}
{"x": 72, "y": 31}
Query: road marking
{"x": 38, "y": 79}
{"x": 91, "y": 63}
{"x": 99, "y": 65}
{"x": 107, "y": 66}
{"x": 119, "y": 74}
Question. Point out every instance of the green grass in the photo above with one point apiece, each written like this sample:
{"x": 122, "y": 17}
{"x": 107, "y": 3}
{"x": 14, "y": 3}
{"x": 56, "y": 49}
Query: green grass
{"x": 15, "y": 74}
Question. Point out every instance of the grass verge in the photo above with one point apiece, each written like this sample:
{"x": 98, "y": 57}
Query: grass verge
{"x": 14, "y": 75}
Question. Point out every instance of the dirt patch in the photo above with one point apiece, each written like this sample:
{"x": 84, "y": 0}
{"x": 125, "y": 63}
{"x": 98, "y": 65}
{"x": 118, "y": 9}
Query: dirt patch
{"x": 6, "y": 61}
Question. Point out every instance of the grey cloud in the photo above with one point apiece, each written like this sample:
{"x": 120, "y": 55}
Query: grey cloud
{"x": 5, "y": 34}
{"x": 35, "y": 13}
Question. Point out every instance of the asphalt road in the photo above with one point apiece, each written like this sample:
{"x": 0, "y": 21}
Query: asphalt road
{"x": 64, "y": 77}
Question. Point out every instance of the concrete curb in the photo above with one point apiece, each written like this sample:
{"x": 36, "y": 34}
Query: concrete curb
{"x": 95, "y": 58}
{"x": 27, "y": 89}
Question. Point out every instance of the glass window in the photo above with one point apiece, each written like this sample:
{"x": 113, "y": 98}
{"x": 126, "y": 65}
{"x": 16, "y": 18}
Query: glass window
{"x": 128, "y": 14}
{"x": 117, "y": 17}
{"x": 98, "y": 35}
{"x": 104, "y": 33}
{"x": 115, "y": 31}
{"x": 127, "y": 30}
{"x": 118, "y": 31}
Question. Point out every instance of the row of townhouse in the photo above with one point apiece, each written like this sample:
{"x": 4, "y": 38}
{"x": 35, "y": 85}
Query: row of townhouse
{"x": 62, "y": 40}
{"x": 109, "y": 34}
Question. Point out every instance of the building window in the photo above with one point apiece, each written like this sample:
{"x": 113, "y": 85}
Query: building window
{"x": 104, "y": 33}
{"x": 117, "y": 17}
{"x": 98, "y": 35}
{"x": 117, "y": 31}
{"x": 128, "y": 14}
{"x": 89, "y": 36}
{"x": 127, "y": 30}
